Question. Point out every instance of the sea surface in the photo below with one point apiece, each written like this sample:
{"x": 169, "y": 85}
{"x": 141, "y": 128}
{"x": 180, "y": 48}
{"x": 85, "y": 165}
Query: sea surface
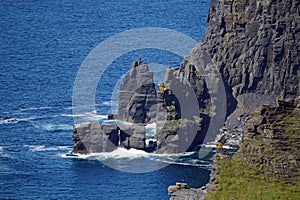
{"x": 42, "y": 46}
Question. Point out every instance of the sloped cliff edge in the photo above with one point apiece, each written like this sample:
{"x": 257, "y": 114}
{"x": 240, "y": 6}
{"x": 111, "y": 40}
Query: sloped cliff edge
{"x": 267, "y": 164}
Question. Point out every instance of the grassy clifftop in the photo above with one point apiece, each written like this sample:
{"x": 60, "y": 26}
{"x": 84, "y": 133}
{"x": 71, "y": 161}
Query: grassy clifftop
{"x": 267, "y": 164}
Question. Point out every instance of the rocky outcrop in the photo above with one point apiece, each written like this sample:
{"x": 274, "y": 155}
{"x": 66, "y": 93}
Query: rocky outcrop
{"x": 137, "y": 94}
{"x": 133, "y": 136}
{"x": 178, "y": 136}
{"x": 255, "y": 47}
{"x": 268, "y": 157}
{"x": 179, "y": 125}
{"x": 94, "y": 137}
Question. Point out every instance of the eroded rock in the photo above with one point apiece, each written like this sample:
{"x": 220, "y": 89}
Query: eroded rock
{"x": 137, "y": 94}
{"x": 94, "y": 137}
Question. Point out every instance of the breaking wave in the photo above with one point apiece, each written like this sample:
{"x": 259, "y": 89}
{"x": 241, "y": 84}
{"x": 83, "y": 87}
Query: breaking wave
{"x": 125, "y": 156}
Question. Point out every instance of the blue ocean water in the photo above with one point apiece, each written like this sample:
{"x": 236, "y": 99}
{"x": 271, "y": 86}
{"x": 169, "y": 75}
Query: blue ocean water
{"x": 42, "y": 45}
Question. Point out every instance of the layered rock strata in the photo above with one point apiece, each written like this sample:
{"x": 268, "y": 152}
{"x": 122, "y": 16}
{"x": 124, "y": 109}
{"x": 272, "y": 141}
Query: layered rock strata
{"x": 179, "y": 127}
{"x": 255, "y": 47}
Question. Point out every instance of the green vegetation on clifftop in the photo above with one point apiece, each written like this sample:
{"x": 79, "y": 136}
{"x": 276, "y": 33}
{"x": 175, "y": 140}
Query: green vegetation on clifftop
{"x": 267, "y": 163}
{"x": 235, "y": 180}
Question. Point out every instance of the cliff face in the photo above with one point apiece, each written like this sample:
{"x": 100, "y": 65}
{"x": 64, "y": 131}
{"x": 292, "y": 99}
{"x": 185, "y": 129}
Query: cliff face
{"x": 255, "y": 46}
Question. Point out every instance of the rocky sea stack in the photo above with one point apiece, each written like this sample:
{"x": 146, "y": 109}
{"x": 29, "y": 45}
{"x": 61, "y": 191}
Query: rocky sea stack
{"x": 179, "y": 127}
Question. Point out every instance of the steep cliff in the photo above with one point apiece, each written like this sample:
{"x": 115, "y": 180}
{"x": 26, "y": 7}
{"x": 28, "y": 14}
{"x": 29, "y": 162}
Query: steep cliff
{"x": 255, "y": 46}
{"x": 272, "y": 140}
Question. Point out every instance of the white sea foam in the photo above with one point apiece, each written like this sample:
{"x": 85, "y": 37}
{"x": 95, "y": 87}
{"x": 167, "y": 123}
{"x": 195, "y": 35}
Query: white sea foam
{"x": 71, "y": 115}
{"x": 202, "y": 165}
{"x": 150, "y": 132}
{"x": 88, "y": 116}
{"x": 106, "y": 103}
{"x": 121, "y": 152}
{"x": 116, "y": 154}
{"x": 16, "y": 120}
{"x": 125, "y": 155}
{"x": 53, "y": 127}
{"x": 214, "y": 146}
{"x": 36, "y": 108}
{"x": 37, "y": 148}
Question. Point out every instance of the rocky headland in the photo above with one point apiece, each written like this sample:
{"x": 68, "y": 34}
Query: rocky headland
{"x": 255, "y": 45}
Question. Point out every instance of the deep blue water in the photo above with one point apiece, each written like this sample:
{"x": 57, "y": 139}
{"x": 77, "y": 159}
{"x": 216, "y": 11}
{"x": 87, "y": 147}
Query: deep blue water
{"x": 42, "y": 45}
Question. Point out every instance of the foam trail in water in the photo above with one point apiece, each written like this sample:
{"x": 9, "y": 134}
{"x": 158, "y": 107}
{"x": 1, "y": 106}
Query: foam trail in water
{"x": 7, "y": 120}
{"x": 214, "y": 146}
{"x": 36, "y": 108}
{"x": 53, "y": 127}
{"x": 37, "y": 148}
{"x": 106, "y": 103}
